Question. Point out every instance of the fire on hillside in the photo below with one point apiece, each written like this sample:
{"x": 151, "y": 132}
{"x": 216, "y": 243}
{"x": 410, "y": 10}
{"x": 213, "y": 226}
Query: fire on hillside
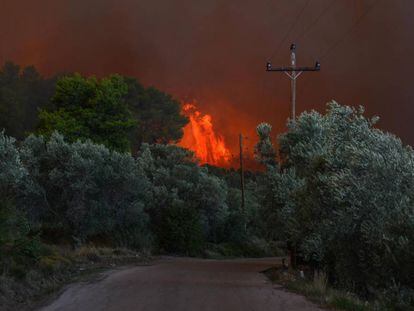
{"x": 201, "y": 137}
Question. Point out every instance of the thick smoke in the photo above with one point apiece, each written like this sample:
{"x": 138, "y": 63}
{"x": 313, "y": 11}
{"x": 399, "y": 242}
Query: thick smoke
{"x": 215, "y": 51}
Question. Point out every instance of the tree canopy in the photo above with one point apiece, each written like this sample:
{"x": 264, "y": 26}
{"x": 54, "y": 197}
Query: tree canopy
{"x": 158, "y": 115}
{"x": 115, "y": 111}
{"x": 343, "y": 197}
{"x": 22, "y": 92}
{"x": 88, "y": 108}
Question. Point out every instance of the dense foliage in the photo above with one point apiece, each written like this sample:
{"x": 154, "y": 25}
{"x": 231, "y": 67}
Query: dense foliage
{"x": 158, "y": 115}
{"x": 83, "y": 190}
{"x": 115, "y": 111}
{"x": 265, "y": 153}
{"x": 76, "y": 185}
{"x": 17, "y": 247}
{"x": 189, "y": 204}
{"x": 22, "y": 92}
{"x": 343, "y": 196}
{"x": 339, "y": 192}
{"x": 88, "y": 108}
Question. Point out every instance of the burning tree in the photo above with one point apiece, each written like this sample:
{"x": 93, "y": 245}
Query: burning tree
{"x": 201, "y": 138}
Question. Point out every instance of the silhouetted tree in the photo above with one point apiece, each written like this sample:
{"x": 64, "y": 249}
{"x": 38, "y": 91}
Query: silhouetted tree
{"x": 22, "y": 92}
{"x": 158, "y": 115}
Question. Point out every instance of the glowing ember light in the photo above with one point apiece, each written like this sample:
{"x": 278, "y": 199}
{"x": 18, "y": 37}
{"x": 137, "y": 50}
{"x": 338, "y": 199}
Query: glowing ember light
{"x": 199, "y": 136}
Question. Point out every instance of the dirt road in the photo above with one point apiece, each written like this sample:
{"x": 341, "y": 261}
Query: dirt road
{"x": 183, "y": 284}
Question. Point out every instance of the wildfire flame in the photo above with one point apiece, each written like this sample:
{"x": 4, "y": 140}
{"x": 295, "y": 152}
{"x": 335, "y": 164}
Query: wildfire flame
{"x": 200, "y": 137}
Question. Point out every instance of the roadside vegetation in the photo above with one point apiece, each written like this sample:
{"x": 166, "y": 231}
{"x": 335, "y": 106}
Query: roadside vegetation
{"x": 316, "y": 288}
{"x": 340, "y": 193}
{"x": 93, "y": 180}
{"x": 94, "y": 171}
{"x": 24, "y": 285}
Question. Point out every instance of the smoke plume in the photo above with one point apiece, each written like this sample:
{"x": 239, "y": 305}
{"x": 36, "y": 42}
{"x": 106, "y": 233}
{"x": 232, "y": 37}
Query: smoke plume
{"x": 215, "y": 52}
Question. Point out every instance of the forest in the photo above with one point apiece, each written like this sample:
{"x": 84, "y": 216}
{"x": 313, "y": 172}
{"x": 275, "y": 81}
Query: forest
{"x": 88, "y": 161}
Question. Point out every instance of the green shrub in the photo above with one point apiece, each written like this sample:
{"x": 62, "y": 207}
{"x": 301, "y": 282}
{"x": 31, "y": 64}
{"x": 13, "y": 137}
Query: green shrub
{"x": 83, "y": 190}
{"x": 12, "y": 172}
{"x": 90, "y": 109}
{"x": 182, "y": 191}
{"x": 181, "y": 231}
{"x": 19, "y": 246}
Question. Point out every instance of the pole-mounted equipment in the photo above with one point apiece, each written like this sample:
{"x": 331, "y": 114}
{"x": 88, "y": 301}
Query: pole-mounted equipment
{"x": 293, "y": 72}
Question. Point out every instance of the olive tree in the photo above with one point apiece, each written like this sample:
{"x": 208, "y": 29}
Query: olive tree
{"x": 85, "y": 190}
{"x": 188, "y": 203}
{"x": 351, "y": 211}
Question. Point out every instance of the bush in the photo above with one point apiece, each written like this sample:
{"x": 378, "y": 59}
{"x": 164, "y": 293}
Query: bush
{"x": 181, "y": 231}
{"x": 18, "y": 245}
{"x": 83, "y": 190}
{"x": 12, "y": 172}
{"x": 182, "y": 191}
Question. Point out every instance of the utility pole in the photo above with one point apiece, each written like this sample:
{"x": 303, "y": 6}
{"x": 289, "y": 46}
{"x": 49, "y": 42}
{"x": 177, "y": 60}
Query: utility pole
{"x": 293, "y": 73}
{"x": 242, "y": 175}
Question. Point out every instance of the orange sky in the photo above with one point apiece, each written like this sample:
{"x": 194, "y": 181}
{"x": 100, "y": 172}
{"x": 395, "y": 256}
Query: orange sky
{"x": 215, "y": 51}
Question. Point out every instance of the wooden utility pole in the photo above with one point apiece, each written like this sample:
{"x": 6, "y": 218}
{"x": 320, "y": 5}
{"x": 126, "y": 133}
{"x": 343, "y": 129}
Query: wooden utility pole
{"x": 293, "y": 73}
{"x": 241, "y": 173}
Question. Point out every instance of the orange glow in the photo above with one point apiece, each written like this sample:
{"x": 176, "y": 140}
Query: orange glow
{"x": 200, "y": 137}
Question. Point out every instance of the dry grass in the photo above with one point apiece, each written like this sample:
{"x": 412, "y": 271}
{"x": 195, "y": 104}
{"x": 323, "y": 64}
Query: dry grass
{"x": 61, "y": 265}
{"x": 317, "y": 290}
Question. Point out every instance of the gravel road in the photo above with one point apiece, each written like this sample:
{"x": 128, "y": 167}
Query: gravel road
{"x": 174, "y": 284}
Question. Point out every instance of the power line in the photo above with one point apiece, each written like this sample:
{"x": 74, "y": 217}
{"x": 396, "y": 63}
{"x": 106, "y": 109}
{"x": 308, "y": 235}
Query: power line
{"x": 316, "y": 20}
{"x": 345, "y": 35}
{"x": 308, "y": 28}
{"x": 293, "y": 25}
{"x": 356, "y": 23}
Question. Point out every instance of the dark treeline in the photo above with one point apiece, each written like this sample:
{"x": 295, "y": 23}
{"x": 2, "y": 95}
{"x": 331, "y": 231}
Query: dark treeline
{"x": 87, "y": 161}
{"x": 23, "y": 91}
{"x": 116, "y": 111}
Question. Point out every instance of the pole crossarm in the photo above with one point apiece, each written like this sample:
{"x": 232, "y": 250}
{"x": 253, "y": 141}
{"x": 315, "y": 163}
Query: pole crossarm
{"x": 293, "y": 69}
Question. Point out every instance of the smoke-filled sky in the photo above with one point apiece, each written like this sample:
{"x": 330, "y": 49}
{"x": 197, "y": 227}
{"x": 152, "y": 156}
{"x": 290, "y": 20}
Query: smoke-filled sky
{"x": 215, "y": 51}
